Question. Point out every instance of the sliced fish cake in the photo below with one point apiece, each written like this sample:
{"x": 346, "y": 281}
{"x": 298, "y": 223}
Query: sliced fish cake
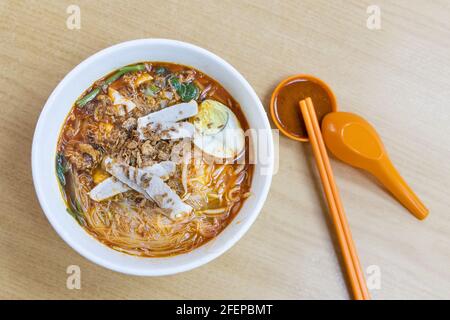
{"x": 174, "y": 113}
{"x": 107, "y": 189}
{"x": 165, "y": 197}
{"x": 151, "y": 186}
{"x": 112, "y": 186}
{"x": 169, "y": 130}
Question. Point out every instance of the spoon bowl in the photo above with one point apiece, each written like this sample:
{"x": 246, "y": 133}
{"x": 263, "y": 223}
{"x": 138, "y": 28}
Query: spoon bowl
{"x": 353, "y": 140}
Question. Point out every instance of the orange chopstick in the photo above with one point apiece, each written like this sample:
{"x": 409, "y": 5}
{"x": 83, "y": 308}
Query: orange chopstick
{"x": 340, "y": 208}
{"x": 351, "y": 261}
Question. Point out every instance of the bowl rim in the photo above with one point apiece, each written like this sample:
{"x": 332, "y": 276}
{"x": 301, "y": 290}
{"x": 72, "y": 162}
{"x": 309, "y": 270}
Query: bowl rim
{"x": 102, "y": 261}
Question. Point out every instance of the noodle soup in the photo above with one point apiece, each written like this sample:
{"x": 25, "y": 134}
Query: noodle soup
{"x": 151, "y": 159}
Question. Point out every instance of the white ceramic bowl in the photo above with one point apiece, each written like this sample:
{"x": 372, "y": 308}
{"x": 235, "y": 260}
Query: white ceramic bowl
{"x": 56, "y": 109}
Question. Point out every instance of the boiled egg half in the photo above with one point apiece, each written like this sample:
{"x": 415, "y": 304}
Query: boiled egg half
{"x": 218, "y": 131}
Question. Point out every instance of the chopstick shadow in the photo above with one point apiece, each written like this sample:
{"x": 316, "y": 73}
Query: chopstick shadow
{"x": 309, "y": 160}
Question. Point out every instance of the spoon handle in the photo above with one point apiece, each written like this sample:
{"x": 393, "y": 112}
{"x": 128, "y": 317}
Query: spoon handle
{"x": 385, "y": 171}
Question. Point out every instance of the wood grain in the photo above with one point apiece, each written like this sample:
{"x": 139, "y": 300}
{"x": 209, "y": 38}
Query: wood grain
{"x": 397, "y": 78}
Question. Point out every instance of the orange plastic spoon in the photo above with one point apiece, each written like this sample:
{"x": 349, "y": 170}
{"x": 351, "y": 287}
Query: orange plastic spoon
{"x": 353, "y": 140}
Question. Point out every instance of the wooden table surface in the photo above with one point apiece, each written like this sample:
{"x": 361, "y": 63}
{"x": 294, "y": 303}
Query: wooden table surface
{"x": 397, "y": 77}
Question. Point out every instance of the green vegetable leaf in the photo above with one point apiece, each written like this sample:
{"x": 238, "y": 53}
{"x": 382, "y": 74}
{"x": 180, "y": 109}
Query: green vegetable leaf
{"x": 151, "y": 90}
{"x": 61, "y": 168}
{"x": 93, "y": 93}
{"x": 161, "y": 71}
{"x": 136, "y": 67}
{"x": 187, "y": 92}
{"x": 79, "y": 217}
{"x": 175, "y": 82}
{"x": 190, "y": 92}
{"x": 114, "y": 77}
{"x": 88, "y": 97}
{"x": 78, "y": 206}
{"x": 61, "y": 177}
{"x": 76, "y": 211}
{"x": 122, "y": 71}
{"x": 72, "y": 212}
